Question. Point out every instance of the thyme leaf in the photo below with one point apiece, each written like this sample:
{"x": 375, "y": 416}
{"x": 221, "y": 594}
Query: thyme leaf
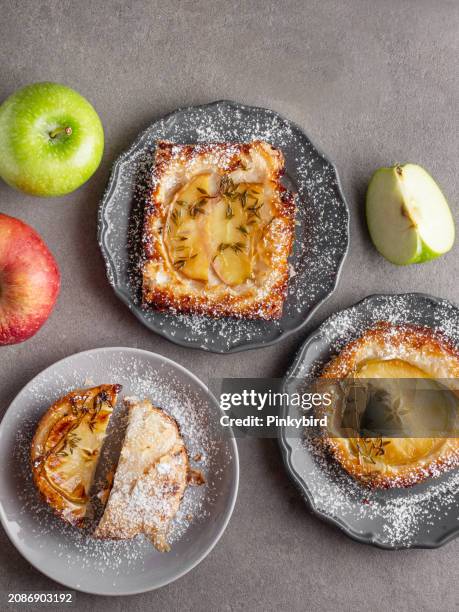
{"x": 197, "y": 208}
{"x": 182, "y": 260}
{"x": 237, "y": 247}
{"x": 370, "y": 448}
{"x": 176, "y": 217}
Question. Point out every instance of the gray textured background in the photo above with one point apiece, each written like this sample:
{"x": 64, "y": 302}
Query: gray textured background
{"x": 371, "y": 82}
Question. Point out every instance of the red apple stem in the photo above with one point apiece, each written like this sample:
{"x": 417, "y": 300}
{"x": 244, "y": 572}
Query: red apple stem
{"x": 60, "y": 130}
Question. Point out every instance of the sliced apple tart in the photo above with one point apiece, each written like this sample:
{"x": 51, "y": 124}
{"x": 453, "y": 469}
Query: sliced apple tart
{"x": 150, "y": 480}
{"x": 66, "y": 448}
{"x": 218, "y": 230}
{"x": 404, "y": 380}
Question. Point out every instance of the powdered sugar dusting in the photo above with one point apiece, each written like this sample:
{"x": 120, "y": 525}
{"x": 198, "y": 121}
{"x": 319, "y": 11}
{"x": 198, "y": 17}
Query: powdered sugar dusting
{"x": 145, "y": 376}
{"x": 425, "y": 514}
{"x": 321, "y": 228}
{"x": 392, "y": 518}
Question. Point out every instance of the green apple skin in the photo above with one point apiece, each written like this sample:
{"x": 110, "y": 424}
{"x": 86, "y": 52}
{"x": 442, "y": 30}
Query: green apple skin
{"x": 408, "y": 217}
{"x": 51, "y": 140}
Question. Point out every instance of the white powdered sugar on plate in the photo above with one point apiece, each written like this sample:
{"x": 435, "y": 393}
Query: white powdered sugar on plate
{"x": 425, "y": 515}
{"x": 211, "y": 452}
{"x": 321, "y": 223}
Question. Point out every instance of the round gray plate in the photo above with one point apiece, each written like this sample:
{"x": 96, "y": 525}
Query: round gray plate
{"x": 423, "y": 516}
{"x": 67, "y": 554}
{"x": 322, "y": 232}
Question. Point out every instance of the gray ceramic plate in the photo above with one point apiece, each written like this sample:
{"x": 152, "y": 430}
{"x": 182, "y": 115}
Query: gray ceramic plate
{"x": 322, "y": 232}
{"x": 68, "y": 555}
{"x": 423, "y": 516}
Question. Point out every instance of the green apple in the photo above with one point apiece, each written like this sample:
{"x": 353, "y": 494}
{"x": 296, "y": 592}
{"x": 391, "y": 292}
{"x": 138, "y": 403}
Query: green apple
{"x": 408, "y": 216}
{"x": 51, "y": 140}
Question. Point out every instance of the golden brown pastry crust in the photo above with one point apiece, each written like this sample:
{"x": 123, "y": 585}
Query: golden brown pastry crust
{"x": 164, "y": 287}
{"x": 424, "y": 349}
{"x": 53, "y": 442}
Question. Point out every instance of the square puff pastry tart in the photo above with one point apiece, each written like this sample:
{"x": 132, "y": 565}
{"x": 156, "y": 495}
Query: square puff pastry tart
{"x": 394, "y": 352}
{"x": 218, "y": 230}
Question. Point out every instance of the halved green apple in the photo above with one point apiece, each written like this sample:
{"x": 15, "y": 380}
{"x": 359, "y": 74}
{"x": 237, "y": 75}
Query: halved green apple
{"x": 408, "y": 217}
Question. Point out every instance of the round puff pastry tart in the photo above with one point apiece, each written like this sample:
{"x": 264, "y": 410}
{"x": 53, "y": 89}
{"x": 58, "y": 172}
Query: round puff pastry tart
{"x": 66, "y": 448}
{"x": 395, "y": 352}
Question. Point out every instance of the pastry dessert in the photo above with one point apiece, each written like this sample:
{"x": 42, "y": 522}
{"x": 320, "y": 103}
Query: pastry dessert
{"x": 66, "y": 448}
{"x": 218, "y": 230}
{"x": 382, "y": 356}
{"x": 150, "y": 479}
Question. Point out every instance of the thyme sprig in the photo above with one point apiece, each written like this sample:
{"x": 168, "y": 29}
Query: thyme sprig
{"x": 70, "y": 443}
{"x": 229, "y": 214}
{"x": 176, "y": 217}
{"x": 227, "y": 188}
{"x": 99, "y": 401}
{"x": 371, "y": 448}
{"x": 229, "y": 191}
{"x": 237, "y": 247}
{"x": 254, "y": 208}
{"x": 197, "y": 208}
{"x": 184, "y": 259}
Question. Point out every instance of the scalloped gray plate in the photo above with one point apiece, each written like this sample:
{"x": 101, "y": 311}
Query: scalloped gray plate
{"x": 67, "y": 554}
{"x": 423, "y": 516}
{"x": 322, "y": 232}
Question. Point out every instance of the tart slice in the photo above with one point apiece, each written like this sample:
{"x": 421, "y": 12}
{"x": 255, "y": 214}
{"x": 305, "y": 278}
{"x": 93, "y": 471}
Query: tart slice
{"x": 150, "y": 479}
{"x": 66, "y": 448}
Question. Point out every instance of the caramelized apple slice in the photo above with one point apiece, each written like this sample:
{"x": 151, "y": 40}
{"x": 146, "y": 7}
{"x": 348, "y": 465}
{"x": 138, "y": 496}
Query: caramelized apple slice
{"x": 230, "y": 241}
{"x": 233, "y": 266}
{"x": 71, "y": 462}
{"x": 233, "y": 223}
{"x": 207, "y": 228}
{"x": 186, "y": 228}
{"x": 227, "y": 223}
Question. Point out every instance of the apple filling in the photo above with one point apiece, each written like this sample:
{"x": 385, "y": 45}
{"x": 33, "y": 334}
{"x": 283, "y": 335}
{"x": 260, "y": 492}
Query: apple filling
{"x": 66, "y": 449}
{"x": 216, "y": 229}
{"x": 393, "y": 416}
{"x": 72, "y": 450}
{"x": 396, "y": 396}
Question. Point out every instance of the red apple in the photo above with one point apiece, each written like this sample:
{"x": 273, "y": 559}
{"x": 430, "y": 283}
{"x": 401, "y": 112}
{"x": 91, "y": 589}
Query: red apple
{"x": 29, "y": 281}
